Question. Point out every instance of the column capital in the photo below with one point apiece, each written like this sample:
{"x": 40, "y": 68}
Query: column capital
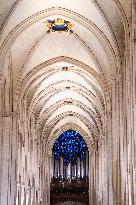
{"x": 115, "y": 78}
{"x": 1, "y": 75}
{"x": 1, "y": 79}
{"x": 134, "y": 35}
{"x": 9, "y": 114}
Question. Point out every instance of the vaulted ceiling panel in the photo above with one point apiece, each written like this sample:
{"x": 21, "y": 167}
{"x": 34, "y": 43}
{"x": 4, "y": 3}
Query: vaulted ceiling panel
{"x": 62, "y": 77}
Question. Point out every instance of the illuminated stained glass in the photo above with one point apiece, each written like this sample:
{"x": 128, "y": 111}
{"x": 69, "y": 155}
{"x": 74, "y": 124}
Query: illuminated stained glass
{"x": 70, "y": 145}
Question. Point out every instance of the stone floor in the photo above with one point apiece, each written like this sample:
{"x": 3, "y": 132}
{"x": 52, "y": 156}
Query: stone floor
{"x": 70, "y": 203}
{"x": 69, "y": 198}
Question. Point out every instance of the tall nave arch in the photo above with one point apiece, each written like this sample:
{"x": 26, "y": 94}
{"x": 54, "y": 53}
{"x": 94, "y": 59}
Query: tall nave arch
{"x": 81, "y": 79}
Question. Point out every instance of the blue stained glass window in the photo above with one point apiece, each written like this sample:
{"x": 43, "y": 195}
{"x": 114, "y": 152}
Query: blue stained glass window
{"x": 70, "y": 145}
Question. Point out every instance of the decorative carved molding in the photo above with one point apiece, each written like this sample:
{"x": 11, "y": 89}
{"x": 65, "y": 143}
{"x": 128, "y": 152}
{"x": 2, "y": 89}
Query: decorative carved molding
{"x": 11, "y": 11}
{"x": 9, "y": 114}
{"x": 1, "y": 78}
{"x": 116, "y": 78}
{"x": 60, "y": 11}
{"x": 81, "y": 91}
{"x": 135, "y": 36}
{"x": 52, "y": 61}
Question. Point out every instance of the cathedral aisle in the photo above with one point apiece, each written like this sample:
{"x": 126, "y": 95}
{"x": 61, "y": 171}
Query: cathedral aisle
{"x": 67, "y": 102}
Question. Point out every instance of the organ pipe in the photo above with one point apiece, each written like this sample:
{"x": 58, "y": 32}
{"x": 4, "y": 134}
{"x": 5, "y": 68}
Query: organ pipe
{"x": 79, "y": 169}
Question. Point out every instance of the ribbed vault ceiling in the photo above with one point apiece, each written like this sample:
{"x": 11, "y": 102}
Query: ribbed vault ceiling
{"x": 63, "y": 79}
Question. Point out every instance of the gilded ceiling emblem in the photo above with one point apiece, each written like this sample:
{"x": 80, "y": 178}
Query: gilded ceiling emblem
{"x": 59, "y": 25}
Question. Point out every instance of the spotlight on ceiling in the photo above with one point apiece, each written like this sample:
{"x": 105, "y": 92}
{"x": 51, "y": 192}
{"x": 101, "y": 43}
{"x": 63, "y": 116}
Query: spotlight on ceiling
{"x": 70, "y": 114}
{"x": 68, "y": 101}
{"x": 66, "y": 68}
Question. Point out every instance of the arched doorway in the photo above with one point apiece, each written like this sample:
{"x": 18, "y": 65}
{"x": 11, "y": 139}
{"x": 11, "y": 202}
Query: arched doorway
{"x": 70, "y": 169}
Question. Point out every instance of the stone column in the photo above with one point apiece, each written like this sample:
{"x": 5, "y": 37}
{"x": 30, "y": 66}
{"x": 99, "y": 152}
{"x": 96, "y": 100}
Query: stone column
{"x": 113, "y": 139}
{"x": 47, "y": 180}
{"x": 133, "y": 173}
{"x": 92, "y": 182}
{"x": 8, "y": 166}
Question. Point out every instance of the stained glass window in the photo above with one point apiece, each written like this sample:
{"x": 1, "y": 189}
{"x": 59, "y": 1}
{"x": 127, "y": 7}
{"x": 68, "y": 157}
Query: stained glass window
{"x": 70, "y": 145}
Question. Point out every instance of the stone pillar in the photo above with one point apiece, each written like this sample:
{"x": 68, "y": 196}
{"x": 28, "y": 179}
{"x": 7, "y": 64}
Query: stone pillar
{"x": 133, "y": 173}
{"x": 113, "y": 137}
{"x": 8, "y": 166}
{"x": 22, "y": 194}
{"x": 47, "y": 180}
{"x": 92, "y": 182}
